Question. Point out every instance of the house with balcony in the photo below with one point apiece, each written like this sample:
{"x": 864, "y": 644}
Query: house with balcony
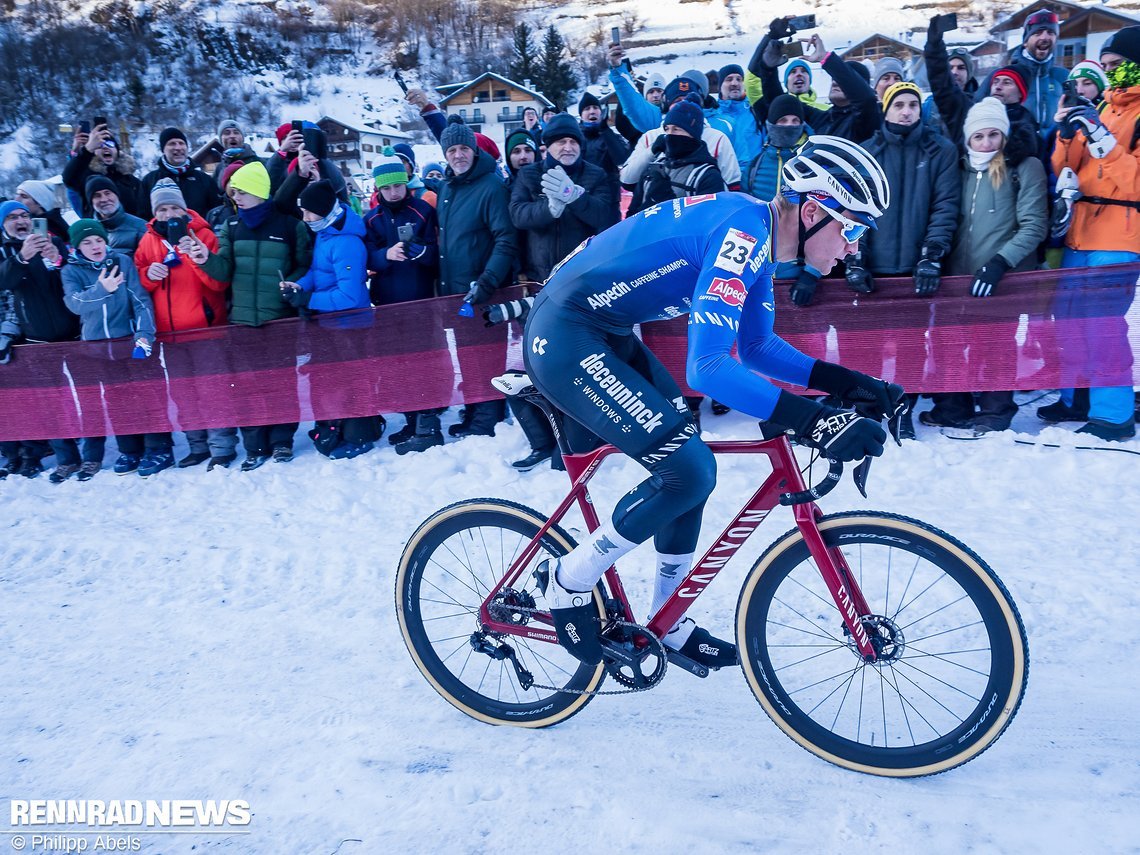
{"x": 354, "y": 148}
{"x": 491, "y": 104}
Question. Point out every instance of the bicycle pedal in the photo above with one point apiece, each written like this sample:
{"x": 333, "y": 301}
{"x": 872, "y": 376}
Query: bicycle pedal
{"x": 682, "y": 661}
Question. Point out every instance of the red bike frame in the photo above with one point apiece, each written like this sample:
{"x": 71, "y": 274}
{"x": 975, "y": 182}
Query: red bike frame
{"x": 784, "y": 478}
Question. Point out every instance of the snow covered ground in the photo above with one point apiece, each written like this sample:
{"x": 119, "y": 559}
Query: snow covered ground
{"x": 232, "y": 636}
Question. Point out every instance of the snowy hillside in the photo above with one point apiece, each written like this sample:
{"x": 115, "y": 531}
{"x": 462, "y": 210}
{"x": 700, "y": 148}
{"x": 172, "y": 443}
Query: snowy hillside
{"x": 232, "y": 636}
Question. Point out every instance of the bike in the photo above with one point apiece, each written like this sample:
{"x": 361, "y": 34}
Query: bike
{"x": 875, "y": 641}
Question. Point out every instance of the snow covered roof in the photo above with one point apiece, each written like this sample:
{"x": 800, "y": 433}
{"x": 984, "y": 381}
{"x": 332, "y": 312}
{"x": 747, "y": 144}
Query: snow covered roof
{"x": 453, "y": 89}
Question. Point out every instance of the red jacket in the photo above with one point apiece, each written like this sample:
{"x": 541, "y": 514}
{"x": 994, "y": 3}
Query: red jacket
{"x": 181, "y": 299}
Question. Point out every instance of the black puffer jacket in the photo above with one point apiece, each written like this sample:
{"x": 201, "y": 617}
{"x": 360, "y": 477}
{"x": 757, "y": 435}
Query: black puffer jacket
{"x": 660, "y": 182}
{"x": 39, "y": 294}
{"x": 922, "y": 170}
{"x": 476, "y": 235}
{"x": 549, "y": 240}
{"x": 198, "y": 189}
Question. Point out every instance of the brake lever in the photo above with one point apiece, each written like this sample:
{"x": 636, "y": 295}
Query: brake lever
{"x": 894, "y": 423}
{"x": 859, "y": 475}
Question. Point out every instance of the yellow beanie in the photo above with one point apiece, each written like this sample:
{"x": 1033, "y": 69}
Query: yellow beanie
{"x": 252, "y": 179}
{"x": 897, "y": 89}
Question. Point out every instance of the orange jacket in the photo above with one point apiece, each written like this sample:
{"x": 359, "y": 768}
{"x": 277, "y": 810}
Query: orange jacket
{"x": 1115, "y": 176}
{"x": 180, "y": 300}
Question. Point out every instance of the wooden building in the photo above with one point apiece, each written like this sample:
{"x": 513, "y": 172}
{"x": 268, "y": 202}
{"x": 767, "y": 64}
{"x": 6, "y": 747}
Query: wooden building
{"x": 491, "y": 104}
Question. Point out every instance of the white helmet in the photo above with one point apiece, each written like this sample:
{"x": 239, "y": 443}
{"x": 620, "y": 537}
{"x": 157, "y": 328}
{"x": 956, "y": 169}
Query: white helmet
{"x": 838, "y": 169}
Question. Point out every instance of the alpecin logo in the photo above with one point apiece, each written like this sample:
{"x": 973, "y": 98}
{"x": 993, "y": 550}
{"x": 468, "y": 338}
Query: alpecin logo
{"x": 603, "y": 299}
{"x": 731, "y": 291}
{"x": 621, "y": 394}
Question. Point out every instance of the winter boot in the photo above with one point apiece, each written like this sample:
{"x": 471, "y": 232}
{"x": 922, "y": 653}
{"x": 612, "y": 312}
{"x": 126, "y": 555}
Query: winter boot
{"x": 193, "y": 459}
{"x": 88, "y": 470}
{"x": 532, "y": 460}
{"x": 406, "y": 432}
{"x": 282, "y": 454}
{"x": 574, "y": 613}
{"x": 254, "y": 461}
{"x": 63, "y": 472}
{"x": 349, "y": 450}
{"x": 154, "y": 462}
{"x": 1061, "y": 412}
{"x": 420, "y": 442}
{"x": 221, "y": 462}
{"x": 1110, "y": 432}
{"x": 126, "y": 464}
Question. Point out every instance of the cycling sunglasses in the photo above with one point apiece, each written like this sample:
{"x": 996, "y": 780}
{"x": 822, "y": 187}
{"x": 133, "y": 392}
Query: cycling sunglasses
{"x": 851, "y": 230}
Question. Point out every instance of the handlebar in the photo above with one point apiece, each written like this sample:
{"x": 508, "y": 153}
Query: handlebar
{"x": 829, "y": 483}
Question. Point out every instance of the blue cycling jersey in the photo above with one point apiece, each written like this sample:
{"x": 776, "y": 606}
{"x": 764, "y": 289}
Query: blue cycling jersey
{"x": 710, "y": 257}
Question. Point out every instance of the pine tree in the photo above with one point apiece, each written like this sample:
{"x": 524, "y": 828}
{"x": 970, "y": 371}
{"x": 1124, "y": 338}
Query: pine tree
{"x": 523, "y": 53}
{"x": 555, "y": 78}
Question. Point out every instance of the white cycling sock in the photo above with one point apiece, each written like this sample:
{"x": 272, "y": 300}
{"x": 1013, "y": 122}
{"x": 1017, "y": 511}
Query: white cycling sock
{"x": 671, "y": 571}
{"x": 584, "y": 566}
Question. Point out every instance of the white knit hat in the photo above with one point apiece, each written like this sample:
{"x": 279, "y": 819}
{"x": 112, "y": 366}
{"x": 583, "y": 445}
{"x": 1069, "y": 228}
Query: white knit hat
{"x": 40, "y": 191}
{"x": 987, "y": 113}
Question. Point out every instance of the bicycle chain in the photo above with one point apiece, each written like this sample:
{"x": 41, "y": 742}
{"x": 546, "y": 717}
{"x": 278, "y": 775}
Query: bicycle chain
{"x": 663, "y": 658}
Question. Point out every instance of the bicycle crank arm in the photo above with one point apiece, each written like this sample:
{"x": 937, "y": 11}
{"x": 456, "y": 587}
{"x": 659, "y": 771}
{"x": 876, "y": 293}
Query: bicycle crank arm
{"x": 685, "y": 662}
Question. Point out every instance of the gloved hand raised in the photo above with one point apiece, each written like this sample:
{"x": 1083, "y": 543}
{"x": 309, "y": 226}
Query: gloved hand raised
{"x": 559, "y": 187}
{"x": 1100, "y": 139}
{"x": 838, "y": 434}
{"x": 874, "y": 398}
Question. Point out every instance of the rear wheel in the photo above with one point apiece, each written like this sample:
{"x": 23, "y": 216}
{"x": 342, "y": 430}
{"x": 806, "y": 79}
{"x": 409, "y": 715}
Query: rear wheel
{"x": 450, "y": 565}
{"x": 954, "y": 656}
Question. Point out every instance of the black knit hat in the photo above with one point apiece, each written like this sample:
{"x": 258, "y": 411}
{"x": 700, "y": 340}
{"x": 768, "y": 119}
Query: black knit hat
{"x": 588, "y": 100}
{"x": 785, "y": 105}
{"x": 560, "y": 126}
{"x": 1125, "y": 42}
{"x": 859, "y": 69}
{"x": 318, "y": 198}
{"x": 731, "y": 68}
{"x": 171, "y": 134}
{"x": 96, "y": 183}
{"x": 687, "y": 116}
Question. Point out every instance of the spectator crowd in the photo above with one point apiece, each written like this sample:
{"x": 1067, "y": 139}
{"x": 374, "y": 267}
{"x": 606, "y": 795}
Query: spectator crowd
{"x": 1033, "y": 166}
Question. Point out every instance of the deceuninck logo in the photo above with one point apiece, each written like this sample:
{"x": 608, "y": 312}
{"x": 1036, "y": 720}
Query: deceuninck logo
{"x": 72, "y": 815}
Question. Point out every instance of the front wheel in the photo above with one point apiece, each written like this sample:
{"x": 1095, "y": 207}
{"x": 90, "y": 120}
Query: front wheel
{"x": 954, "y": 657}
{"x": 451, "y": 564}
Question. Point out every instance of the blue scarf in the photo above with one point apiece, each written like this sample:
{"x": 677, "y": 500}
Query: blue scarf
{"x": 255, "y": 216}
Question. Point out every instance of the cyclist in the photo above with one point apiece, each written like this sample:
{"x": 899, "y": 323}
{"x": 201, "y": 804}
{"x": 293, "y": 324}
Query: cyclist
{"x": 712, "y": 258}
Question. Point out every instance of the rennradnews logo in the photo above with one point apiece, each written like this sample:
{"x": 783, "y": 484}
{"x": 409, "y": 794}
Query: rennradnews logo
{"x": 130, "y": 814}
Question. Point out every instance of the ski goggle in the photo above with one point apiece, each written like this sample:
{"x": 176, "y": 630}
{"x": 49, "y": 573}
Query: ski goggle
{"x": 851, "y": 230}
{"x": 1044, "y": 17}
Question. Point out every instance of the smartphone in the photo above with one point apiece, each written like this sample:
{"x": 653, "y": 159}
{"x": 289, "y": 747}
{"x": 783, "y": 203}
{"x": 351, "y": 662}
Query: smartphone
{"x": 40, "y": 226}
{"x": 84, "y": 126}
{"x": 400, "y": 80}
{"x": 793, "y": 48}
{"x": 298, "y": 125}
{"x": 312, "y": 140}
{"x": 802, "y": 22}
{"x": 405, "y": 233}
{"x": 948, "y": 22}
{"x": 98, "y": 120}
{"x": 176, "y": 229}
{"x": 1071, "y": 97}
{"x": 615, "y": 35}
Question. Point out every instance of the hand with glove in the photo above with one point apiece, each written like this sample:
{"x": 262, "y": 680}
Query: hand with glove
{"x": 858, "y": 277}
{"x": 1100, "y": 139}
{"x": 501, "y": 312}
{"x": 871, "y": 397}
{"x": 142, "y": 348}
{"x": 803, "y": 289}
{"x": 838, "y": 434}
{"x": 937, "y": 28}
{"x": 1068, "y": 191}
{"x": 987, "y": 278}
{"x": 295, "y": 296}
{"x": 559, "y": 187}
{"x": 928, "y": 273}
{"x": 480, "y": 292}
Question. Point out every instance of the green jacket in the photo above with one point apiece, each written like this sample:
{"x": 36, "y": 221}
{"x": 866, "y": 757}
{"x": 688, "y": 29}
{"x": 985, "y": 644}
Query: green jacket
{"x": 1011, "y": 222}
{"x": 253, "y": 261}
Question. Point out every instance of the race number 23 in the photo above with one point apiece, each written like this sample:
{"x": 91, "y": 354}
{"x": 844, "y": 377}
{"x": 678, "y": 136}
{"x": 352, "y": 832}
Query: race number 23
{"x": 734, "y": 251}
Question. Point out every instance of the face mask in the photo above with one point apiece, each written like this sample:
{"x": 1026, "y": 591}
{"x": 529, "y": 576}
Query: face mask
{"x": 1124, "y": 75}
{"x": 679, "y": 146}
{"x": 784, "y": 136}
{"x": 323, "y": 223}
{"x": 980, "y": 160}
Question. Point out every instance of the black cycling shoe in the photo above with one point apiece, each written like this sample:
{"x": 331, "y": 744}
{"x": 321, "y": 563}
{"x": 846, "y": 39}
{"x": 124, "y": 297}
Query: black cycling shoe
{"x": 703, "y": 648}
{"x": 574, "y": 614}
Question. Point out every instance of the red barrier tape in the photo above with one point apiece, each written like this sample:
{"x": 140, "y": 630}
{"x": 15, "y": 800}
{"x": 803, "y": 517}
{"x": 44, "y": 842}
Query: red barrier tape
{"x": 1043, "y": 329}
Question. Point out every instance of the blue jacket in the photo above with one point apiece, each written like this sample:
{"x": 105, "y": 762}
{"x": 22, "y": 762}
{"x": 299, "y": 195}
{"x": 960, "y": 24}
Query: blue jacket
{"x": 641, "y": 114}
{"x": 340, "y": 266}
{"x": 761, "y": 176}
{"x": 736, "y": 121}
{"x": 401, "y": 281}
{"x": 108, "y": 314}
